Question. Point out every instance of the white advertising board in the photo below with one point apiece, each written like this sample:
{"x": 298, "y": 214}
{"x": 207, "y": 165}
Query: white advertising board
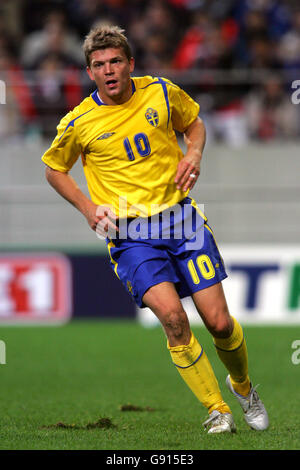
{"x": 263, "y": 285}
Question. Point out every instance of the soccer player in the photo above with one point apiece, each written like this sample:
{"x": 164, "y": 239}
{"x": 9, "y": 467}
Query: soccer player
{"x": 125, "y": 132}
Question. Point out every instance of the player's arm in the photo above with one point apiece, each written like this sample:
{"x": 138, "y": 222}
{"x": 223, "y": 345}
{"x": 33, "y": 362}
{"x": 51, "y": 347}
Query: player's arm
{"x": 194, "y": 137}
{"x": 98, "y": 217}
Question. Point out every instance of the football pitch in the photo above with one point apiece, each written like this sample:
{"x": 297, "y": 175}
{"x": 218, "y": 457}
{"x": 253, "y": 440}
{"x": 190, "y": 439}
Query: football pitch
{"x": 111, "y": 386}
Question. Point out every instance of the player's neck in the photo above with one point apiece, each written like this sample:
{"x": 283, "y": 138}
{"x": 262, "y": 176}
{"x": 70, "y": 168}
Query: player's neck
{"x": 118, "y": 99}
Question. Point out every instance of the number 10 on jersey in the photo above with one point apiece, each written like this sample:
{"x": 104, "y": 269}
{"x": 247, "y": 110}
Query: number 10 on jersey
{"x": 141, "y": 146}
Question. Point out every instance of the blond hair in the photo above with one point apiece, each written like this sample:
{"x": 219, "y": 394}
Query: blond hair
{"x": 103, "y": 37}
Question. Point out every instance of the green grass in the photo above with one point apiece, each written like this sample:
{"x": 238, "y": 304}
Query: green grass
{"x": 84, "y": 371}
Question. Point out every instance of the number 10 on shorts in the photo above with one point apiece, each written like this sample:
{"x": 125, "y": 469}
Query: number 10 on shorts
{"x": 204, "y": 267}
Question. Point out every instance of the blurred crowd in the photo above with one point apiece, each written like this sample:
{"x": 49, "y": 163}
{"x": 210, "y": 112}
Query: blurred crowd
{"x": 237, "y": 58}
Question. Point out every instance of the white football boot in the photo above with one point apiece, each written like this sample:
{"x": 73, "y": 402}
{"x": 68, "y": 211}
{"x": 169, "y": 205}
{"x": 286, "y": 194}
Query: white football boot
{"x": 219, "y": 422}
{"x": 255, "y": 413}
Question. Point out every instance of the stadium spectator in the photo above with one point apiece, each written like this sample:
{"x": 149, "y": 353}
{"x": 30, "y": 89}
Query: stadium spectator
{"x": 57, "y": 90}
{"x": 84, "y": 14}
{"x": 19, "y": 113}
{"x": 276, "y": 12}
{"x": 193, "y": 47}
{"x": 254, "y": 27}
{"x": 54, "y": 37}
{"x": 289, "y": 47}
{"x": 156, "y": 55}
{"x": 209, "y": 45}
{"x": 270, "y": 113}
{"x": 262, "y": 54}
{"x": 154, "y": 33}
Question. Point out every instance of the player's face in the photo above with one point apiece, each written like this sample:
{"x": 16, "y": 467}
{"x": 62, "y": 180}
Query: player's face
{"x": 110, "y": 69}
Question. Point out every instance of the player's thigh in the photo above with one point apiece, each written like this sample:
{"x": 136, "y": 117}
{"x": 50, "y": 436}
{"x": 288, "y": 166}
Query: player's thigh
{"x": 212, "y": 307}
{"x": 163, "y": 300}
{"x": 165, "y": 303}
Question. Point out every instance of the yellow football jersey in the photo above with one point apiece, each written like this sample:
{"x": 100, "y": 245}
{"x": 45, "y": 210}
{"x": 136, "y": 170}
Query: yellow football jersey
{"x": 129, "y": 151}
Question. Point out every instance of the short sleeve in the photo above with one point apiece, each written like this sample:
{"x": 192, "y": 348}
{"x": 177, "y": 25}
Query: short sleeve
{"x": 184, "y": 110}
{"x": 65, "y": 148}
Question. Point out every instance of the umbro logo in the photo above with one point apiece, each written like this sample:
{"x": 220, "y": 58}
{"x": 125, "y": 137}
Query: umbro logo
{"x": 106, "y": 135}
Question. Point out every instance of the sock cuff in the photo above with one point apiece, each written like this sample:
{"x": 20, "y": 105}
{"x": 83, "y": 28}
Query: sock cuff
{"x": 186, "y": 355}
{"x": 234, "y": 341}
{"x": 182, "y": 347}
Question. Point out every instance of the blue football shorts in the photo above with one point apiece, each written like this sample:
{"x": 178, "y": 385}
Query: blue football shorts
{"x": 176, "y": 245}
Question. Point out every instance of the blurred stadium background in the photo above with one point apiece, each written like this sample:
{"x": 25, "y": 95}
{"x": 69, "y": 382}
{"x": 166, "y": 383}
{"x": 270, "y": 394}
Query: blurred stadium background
{"x": 240, "y": 60}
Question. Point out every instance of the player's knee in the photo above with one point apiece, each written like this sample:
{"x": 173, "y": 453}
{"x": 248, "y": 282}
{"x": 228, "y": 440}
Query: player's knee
{"x": 221, "y": 324}
{"x": 176, "y": 324}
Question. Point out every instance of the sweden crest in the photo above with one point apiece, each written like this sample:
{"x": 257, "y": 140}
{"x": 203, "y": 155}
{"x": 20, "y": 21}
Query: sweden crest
{"x": 152, "y": 117}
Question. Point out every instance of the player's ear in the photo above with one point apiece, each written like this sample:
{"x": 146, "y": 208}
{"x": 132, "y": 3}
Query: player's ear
{"x": 90, "y": 73}
{"x": 131, "y": 64}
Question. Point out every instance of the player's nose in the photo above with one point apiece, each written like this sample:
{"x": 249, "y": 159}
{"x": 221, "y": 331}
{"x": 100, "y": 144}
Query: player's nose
{"x": 108, "y": 70}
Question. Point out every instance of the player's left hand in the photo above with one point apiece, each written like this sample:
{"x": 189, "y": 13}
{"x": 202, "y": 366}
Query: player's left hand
{"x": 188, "y": 171}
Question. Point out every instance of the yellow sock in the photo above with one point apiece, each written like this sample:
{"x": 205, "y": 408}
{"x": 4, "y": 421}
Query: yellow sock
{"x": 233, "y": 353}
{"x": 195, "y": 369}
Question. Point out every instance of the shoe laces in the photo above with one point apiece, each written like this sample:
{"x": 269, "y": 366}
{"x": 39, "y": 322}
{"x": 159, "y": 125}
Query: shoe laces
{"x": 214, "y": 418}
{"x": 254, "y": 401}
